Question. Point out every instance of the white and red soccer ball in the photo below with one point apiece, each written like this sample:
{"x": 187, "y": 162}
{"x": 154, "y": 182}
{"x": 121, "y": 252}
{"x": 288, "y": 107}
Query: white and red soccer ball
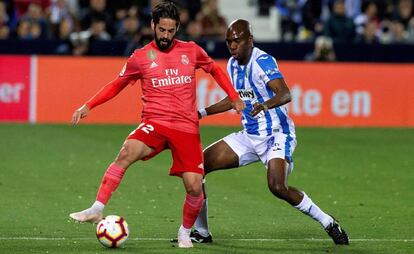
{"x": 112, "y": 231}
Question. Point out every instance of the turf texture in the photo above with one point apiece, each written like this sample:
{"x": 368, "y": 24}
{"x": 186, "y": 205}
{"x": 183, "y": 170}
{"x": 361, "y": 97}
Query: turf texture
{"x": 362, "y": 176}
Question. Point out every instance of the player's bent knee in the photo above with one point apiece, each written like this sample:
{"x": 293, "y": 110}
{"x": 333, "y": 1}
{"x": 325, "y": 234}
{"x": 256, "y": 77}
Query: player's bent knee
{"x": 194, "y": 191}
{"x": 126, "y": 156}
{"x": 123, "y": 154}
{"x": 192, "y": 183}
{"x": 279, "y": 190}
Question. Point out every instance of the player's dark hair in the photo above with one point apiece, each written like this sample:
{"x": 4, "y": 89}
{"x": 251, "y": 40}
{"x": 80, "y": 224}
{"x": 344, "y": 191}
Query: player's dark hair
{"x": 166, "y": 9}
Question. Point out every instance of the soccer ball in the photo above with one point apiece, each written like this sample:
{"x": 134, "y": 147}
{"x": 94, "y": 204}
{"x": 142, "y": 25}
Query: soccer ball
{"x": 112, "y": 231}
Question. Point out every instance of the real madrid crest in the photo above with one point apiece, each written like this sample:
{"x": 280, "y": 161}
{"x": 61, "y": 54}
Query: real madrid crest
{"x": 184, "y": 59}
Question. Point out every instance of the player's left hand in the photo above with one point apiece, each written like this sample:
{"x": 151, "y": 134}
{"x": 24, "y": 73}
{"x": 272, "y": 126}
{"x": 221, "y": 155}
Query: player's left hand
{"x": 238, "y": 105}
{"x": 258, "y": 110}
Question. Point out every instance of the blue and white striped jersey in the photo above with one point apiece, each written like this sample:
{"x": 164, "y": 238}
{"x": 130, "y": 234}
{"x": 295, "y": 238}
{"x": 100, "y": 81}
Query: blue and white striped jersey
{"x": 250, "y": 81}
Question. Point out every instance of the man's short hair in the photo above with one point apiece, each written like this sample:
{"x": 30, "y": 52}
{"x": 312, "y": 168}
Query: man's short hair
{"x": 166, "y": 9}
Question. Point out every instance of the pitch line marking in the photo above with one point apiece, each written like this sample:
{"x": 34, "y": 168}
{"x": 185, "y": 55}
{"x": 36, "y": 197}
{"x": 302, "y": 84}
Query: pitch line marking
{"x": 217, "y": 239}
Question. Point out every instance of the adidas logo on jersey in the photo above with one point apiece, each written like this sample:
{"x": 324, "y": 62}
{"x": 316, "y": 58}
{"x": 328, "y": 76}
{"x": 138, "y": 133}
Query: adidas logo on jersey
{"x": 153, "y": 65}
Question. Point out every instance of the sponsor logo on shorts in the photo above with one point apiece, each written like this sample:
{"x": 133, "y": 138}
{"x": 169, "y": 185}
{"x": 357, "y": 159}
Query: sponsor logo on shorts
{"x": 276, "y": 147}
{"x": 271, "y": 144}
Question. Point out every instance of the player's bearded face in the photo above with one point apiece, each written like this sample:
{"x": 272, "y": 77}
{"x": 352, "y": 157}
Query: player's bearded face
{"x": 164, "y": 33}
{"x": 162, "y": 43}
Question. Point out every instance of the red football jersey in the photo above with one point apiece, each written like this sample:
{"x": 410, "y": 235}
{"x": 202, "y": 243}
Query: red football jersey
{"x": 168, "y": 82}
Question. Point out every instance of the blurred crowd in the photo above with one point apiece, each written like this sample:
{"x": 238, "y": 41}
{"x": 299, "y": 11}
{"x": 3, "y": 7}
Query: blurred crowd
{"x": 76, "y": 23}
{"x": 79, "y": 22}
{"x": 359, "y": 21}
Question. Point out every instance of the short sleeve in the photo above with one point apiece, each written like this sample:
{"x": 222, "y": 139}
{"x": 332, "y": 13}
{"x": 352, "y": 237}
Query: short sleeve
{"x": 131, "y": 71}
{"x": 203, "y": 60}
{"x": 269, "y": 68}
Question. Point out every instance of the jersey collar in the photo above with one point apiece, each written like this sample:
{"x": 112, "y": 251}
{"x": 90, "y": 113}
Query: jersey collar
{"x": 154, "y": 45}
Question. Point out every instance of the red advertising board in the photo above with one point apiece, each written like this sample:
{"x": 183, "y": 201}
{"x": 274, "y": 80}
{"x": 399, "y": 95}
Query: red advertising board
{"x": 351, "y": 94}
{"x": 323, "y": 94}
{"x": 66, "y": 83}
{"x": 14, "y": 88}
{"x": 336, "y": 94}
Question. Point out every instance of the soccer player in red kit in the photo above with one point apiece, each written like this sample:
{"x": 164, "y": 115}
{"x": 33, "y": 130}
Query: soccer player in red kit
{"x": 166, "y": 68}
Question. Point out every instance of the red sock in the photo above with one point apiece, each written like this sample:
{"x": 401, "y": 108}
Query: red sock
{"x": 192, "y": 206}
{"x": 110, "y": 182}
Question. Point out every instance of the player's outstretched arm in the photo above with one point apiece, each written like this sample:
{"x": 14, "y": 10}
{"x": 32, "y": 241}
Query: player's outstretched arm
{"x": 221, "y": 106}
{"x": 281, "y": 98}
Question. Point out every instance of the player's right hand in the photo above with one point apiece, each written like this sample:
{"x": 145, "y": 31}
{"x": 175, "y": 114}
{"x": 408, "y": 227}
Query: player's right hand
{"x": 79, "y": 114}
{"x": 238, "y": 105}
{"x": 258, "y": 110}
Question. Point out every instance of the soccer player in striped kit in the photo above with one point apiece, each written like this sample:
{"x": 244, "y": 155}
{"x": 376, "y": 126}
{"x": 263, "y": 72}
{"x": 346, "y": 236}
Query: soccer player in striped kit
{"x": 166, "y": 68}
{"x": 268, "y": 133}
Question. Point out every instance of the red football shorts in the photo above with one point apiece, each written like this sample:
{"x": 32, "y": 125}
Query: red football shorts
{"x": 185, "y": 147}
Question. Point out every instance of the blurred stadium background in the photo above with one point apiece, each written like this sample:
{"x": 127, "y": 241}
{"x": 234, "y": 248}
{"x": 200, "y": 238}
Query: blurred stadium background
{"x": 349, "y": 65}
{"x": 361, "y": 30}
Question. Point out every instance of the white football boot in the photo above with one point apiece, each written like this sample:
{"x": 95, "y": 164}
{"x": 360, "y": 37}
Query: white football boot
{"x": 87, "y": 215}
{"x": 183, "y": 238}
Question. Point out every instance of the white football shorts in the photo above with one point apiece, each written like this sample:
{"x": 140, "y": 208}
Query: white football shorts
{"x": 252, "y": 148}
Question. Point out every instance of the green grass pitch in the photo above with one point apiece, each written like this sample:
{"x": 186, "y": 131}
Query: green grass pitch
{"x": 363, "y": 176}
